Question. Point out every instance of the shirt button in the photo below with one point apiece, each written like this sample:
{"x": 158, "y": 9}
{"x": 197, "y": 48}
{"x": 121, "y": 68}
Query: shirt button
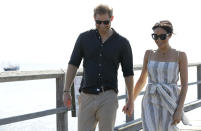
{"x": 100, "y": 54}
{"x": 99, "y": 74}
{"x": 100, "y": 64}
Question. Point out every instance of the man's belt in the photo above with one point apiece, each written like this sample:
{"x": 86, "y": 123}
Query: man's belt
{"x": 96, "y": 90}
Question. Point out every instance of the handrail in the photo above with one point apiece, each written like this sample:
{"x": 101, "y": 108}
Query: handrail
{"x": 60, "y": 110}
{"x": 46, "y": 74}
{"x": 14, "y": 119}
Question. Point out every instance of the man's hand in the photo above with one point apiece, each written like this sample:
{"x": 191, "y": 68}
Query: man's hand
{"x": 67, "y": 99}
{"x": 128, "y": 108}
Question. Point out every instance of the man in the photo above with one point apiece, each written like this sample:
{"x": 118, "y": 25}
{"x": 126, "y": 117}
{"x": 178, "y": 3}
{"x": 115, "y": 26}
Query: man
{"x": 102, "y": 50}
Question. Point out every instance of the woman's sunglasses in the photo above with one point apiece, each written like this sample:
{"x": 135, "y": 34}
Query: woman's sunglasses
{"x": 106, "y": 22}
{"x": 161, "y": 36}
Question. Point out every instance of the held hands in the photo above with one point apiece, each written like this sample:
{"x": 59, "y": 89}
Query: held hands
{"x": 128, "y": 108}
{"x": 67, "y": 99}
{"x": 177, "y": 117}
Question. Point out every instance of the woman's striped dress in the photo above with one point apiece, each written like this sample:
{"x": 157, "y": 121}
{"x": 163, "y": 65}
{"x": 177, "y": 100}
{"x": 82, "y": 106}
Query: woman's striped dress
{"x": 161, "y": 97}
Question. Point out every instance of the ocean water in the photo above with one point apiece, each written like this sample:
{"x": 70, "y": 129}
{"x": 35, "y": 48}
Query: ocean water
{"x": 18, "y": 98}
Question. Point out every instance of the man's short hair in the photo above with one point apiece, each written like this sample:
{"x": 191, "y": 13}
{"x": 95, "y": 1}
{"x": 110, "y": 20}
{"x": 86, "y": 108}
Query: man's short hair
{"x": 103, "y": 9}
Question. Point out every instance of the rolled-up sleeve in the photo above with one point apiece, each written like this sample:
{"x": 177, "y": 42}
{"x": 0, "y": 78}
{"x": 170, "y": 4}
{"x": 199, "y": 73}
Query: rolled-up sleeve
{"x": 77, "y": 54}
{"x": 127, "y": 60}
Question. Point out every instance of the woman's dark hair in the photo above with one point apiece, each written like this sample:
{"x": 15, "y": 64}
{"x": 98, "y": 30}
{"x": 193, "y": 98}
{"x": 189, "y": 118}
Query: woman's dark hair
{"x": 165, "y": 24}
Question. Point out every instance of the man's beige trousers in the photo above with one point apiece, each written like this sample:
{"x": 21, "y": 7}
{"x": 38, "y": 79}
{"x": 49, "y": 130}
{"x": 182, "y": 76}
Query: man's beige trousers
{"x": 97, "y": 108}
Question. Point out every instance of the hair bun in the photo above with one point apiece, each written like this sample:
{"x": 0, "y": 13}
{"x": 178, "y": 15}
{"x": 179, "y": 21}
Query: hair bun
{"x": 165, "y": 24}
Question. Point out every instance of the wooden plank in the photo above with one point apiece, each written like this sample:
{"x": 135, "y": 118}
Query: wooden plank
{"x": 24, "y": 117}
{"x": 131, "y": 118}
{"x": 29, "y": 75}
{"x": 121, "y": 97}
{"x": 192, "y": 105}
{"x": 130, "y": 126}
{"x": 198, "y": 79}
{"x": 137, "y": 67}
{"x": 62, "y": 118}
{"x": 73, "y": 101}
{"x": 194, "y": 64}
{"x": 79, "y": 72}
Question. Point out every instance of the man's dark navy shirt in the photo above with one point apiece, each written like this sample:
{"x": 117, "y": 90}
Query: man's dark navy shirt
{"x": 101, "y": 60}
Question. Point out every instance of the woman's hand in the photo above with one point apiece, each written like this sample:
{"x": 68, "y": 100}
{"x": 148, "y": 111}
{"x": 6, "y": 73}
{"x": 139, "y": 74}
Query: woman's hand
{"x": 176, "y": 117}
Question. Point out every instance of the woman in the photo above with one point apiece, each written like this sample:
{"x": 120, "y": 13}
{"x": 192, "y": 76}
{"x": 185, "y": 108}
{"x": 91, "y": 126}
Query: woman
{"x": 162, "y": 104}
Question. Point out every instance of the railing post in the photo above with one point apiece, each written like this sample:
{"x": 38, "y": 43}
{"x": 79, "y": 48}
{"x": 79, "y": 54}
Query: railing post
{"x": 62, "y": 118}
{"x": 127, "y": 117}
{"x": 198, "y": 79}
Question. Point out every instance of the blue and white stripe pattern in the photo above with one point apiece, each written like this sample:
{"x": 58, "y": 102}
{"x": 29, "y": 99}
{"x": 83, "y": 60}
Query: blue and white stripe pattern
{"x": 160, "y": 100}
